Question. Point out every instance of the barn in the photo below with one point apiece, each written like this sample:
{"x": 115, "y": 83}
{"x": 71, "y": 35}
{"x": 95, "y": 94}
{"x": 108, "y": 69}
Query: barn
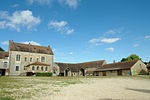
{"x": 79, "y": 69}
{"x": 134, "y": 67}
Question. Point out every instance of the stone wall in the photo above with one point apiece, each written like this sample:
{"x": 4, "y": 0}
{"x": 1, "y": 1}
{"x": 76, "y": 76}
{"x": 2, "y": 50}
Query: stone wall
{"x": 126, "y": 72}
{"x": 2, "y": 63}
{"x": 22, "y": 63}
{"x": 139, "y": 68}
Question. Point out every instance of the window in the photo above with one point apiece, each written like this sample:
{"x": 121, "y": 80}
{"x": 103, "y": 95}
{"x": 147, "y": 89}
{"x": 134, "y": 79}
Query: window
{"x": 46, "y": 68}
{"x": 25, "y": 59}
{"x": 43, "y": 59}
{"x": 42, "y": 68}
{"x": 33, "y": 68}
{"x": 6, "y": 57}
{"x": 37, "y": 67}
{"x": 31, "y": 59}
{"x": 17, "y": 68}
{"x": 18, "y": 58}
{"x": 37, "y": 59}
{"x": 5, "y": 64}
{"x": 24, "y": 68}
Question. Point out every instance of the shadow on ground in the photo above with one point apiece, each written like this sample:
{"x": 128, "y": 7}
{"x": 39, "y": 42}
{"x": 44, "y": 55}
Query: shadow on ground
{"x": 139, "y": 90}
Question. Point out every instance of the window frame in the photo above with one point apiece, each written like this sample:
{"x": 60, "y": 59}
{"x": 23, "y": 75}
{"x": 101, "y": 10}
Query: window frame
{"x": 18, "y": 57}
{"x": 42, "y": 60}
{"x": 17, "y": 69}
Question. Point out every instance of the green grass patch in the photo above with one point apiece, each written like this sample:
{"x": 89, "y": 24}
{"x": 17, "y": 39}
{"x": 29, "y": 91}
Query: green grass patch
{"x": 6, "y": 98}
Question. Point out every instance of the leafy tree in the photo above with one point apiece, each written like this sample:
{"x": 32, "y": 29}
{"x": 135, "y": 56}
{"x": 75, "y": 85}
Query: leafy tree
{"x": 1, "y": 49}
{"x": 131, "y": 57}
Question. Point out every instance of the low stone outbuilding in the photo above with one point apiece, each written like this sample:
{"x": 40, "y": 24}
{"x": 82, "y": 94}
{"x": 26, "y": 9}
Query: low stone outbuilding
{"x": 79, "y": 69}
{"x": 134, "y": 67}
{"x": 4, "y": 63}
{"x": 148, "y": 68}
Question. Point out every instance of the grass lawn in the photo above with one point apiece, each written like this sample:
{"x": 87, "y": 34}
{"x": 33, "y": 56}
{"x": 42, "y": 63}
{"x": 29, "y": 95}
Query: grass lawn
{"x": 23, "y": 87}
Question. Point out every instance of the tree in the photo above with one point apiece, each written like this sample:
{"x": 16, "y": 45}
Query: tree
{"x": 131, "y": 57}
{"x": 1, "y": 49}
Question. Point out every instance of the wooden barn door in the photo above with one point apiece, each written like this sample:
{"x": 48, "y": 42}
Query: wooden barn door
{"x": 104, "y": 73}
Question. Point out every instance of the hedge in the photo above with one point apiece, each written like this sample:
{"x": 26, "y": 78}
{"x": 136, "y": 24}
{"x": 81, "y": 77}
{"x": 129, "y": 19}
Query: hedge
{"x": 44, "y": 74}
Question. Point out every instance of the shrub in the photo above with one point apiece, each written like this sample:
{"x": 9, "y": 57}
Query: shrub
{"x": 44, "y": 74}
{"x": 6, "y": 98}
{"x": 29, "y": 74}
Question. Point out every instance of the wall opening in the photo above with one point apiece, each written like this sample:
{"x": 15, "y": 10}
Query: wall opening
{"x": 82, "y": 72}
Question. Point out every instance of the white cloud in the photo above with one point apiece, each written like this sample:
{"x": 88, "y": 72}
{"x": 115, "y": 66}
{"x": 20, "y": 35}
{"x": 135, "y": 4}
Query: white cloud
{"x": 61, "y": 26}
{"x": 70, "y": 53}
{"x": 5, "y": 43}
{"x": 69, "y": 31}
{"x": 99, "y": 41}
{"x": 110, "y": 40}
{"x": 31, "y": 42}
{"x": 136, "y": 45}
{"x": 147, "y": 37}
{"x": 114, "y": 31}
{"x": 15, "y": 5}
{"x": 41, "y": 2}
{"x": 18, "y": 20}
{"x": 110, "y": 49}
{"x": 70, "y": 3}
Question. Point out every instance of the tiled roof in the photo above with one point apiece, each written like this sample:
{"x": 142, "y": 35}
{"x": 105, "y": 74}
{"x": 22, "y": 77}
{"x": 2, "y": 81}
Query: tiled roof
{"x": 29, "y": 48}
{"x": 119, "y": 65}
{"x": 38, "y": 63}
{"x": 3, "y": 54}
{"x": 77, "y": 66}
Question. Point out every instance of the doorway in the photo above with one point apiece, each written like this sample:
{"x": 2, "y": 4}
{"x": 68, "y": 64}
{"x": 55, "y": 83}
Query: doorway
{"x": 82, "y": 72}
{"x": 67, "y": 72}
{"x": 119, "y": 72}
{"x": 104, "y": 73}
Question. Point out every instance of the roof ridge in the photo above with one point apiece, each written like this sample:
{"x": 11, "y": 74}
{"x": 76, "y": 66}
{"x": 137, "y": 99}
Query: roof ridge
{"x": 121, "y": 62}
{"x": 83, "y": 62}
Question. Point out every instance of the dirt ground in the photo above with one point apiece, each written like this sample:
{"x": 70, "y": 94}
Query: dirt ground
{"x": 105, "y": 89}
{"x": 75, "y": 88}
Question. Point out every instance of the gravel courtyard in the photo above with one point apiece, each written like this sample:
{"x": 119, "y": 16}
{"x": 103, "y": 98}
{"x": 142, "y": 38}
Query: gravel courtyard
{"x": 82, "y": 88}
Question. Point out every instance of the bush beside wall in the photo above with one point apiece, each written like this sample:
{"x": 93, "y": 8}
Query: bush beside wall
{"x": 43, "y": 74}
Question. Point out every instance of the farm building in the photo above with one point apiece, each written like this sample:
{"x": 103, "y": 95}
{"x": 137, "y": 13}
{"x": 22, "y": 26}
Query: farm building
{"x": 4, "y": 62}
{"x": 134, "y": 67}
{"x": 79, "y": 69}
{"x": 31, "y": 56}
{"x": 148, "y": 68}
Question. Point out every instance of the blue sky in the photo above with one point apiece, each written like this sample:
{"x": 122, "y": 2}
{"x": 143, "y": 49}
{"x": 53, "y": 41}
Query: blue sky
{"x": 79, "y": 30}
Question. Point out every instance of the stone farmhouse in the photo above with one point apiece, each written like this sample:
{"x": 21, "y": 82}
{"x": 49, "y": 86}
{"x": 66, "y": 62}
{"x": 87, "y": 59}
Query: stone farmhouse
{"x": 26, "y": 58}
{"x": 134, "y": 67}
{"x": 37, "y": 58}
